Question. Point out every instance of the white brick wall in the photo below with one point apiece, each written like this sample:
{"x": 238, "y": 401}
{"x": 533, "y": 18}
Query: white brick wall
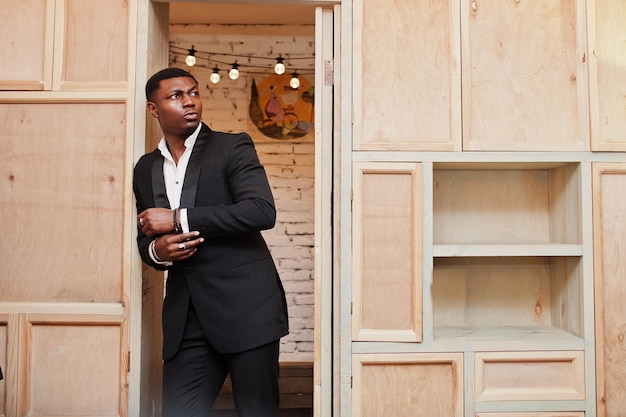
{"x": 290, "y": 166}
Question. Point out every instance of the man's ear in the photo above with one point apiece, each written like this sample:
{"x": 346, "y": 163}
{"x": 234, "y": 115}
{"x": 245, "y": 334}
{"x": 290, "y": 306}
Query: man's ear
{"x": 153, "y": 110}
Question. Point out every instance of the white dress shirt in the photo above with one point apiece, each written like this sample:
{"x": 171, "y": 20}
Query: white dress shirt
{"x": 174, "y": 175}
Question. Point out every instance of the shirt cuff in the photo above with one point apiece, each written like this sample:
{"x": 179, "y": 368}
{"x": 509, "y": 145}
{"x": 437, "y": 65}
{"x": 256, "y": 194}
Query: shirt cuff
{"x": 155, "y": 258}
{"x": 184, "y": 221}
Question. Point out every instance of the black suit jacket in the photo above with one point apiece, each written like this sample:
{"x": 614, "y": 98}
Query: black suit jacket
{"x": 231, "y": 280}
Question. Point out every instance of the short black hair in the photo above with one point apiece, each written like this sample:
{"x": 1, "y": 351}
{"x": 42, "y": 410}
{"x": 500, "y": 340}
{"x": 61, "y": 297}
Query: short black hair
{"x": 154, "y": 82}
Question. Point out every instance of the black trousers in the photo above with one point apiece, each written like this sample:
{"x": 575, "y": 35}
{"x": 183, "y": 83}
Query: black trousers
{"x": 194, "y": 377}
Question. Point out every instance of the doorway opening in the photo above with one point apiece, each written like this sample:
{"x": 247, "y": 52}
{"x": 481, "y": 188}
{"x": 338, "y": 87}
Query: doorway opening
{"x": 251, "y": 38}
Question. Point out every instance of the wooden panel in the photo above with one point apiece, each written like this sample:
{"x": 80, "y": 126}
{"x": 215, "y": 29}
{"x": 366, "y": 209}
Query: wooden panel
{"x": 387, "y": 247}
{"x": 528, "y": 376}
{"x": 524, "y": 75}
{"x": 26, "y": 47}
{"x": 94, "y": 44}
{"x": 74, "y": 369}
{"x": 531, "y": 414}
{"x": 515, "y": 210}
{"x": 607, "y": 66}
{"x": 407, "y": 75}
{"x": 62, "y": 176}
{"x": 565, "y": 197}
{"x": 491, "y": 292}
{"x": 566, "y": 294}
{"x": 609, "y": 183}
{"x": 406, "y": 385}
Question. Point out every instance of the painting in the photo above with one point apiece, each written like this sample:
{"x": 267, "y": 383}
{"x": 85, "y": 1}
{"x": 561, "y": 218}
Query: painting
{"x": 279, "y": 111}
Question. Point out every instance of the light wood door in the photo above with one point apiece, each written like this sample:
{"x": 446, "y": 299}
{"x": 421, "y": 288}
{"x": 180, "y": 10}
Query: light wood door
{"x": 607, "y": 72}
{"x": 387, "y": 297}
{"x": 27, "y": 34}
{"x": 66, "y": 196}
{"x": 405, "y": 385}
{"x": 407, "y": 67}
{"x": 609, "y": 182}
{"x": 524, "y": 75}
{"x": 327, "y": 79}
{"x": 387, "y": 252}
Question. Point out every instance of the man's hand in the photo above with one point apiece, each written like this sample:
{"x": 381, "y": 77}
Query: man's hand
{"x": 177, "y": 246}
{"x": 156, "y": 221}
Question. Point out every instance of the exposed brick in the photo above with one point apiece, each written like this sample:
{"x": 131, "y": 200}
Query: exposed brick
{"x": 290, "y": 166}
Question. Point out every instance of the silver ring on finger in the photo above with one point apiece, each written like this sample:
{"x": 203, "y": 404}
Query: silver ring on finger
{"x": 181, "y": 246}
{"x": 141, "y": 222}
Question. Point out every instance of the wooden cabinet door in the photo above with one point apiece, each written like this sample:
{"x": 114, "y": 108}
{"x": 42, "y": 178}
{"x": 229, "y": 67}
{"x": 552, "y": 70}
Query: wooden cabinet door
{"x": 64, "y": 279}
{"x": 27, "y": 33}
{"x": 64, "y": 44}
{"x": 609, "y": 202}
{"x": 407, "y": 89}
{"x": 524, "y": 75}
{"x": 607, "y": 72}
{"x": 91, "y": 43}
{"x": 405, "y": 385}
{"x": 387, "y": 252}
{"x": 66, "y": 199}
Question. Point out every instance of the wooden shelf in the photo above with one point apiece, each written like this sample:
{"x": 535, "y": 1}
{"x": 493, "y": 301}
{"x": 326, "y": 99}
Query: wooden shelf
{"x": 532, "y": 249}
{"x": 507, "y": 338}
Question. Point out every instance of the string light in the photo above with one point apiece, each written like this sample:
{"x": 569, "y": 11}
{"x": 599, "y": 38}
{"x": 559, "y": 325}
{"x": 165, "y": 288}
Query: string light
{"x": 215, "y": 76}
{"x": 191, "y": 58}
{"x": 295, "y": 81}
{"x": 233, "y": 74}
{"x": 279, "y": 68}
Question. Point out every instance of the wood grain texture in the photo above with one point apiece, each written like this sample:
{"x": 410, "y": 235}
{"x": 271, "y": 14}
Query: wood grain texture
{"x": 609, "y": 230}
{"x": 92, "y": 387}
{"x": 510, "y": 376}
{"x": 607, "y": 35}
{"x": 522, "y": 76}
{"x": 62, "y": 189}
{"x": 407, "y": 75}
{"x": 94, "y": 43}
{"x": 387, "y": 227}
{"x": 24, "y": 48}
{"x": 405, "y": 385}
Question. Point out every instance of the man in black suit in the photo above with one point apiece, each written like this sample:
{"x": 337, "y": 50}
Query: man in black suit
{"x": 203, "y": 199}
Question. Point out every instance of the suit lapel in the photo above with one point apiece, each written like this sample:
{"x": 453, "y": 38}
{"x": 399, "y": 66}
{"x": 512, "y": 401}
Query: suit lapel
{"x": 158, "y": 183}
{"x": 192, "y": 175}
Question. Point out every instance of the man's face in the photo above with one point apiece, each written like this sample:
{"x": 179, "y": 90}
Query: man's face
{"x": 177, "y": 106}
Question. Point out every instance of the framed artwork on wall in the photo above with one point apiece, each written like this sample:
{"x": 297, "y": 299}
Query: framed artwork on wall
{"x": 279, "y": 112}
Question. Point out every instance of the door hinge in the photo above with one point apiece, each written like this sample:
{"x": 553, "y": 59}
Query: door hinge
{"x": 351, "y": 307}
{"x": 329, "y": 72}
{"x": 351, "y": 379}
{"x": 351, "y": 200}
{"x": 128, "y": 362}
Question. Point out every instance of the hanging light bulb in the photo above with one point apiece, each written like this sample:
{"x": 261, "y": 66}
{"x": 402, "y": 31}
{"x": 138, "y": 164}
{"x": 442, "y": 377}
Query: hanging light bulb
{"x": 215, "y": 77}
{"x": 191, "y": 58}
{"x": 279, "y": 68}
{"x": 295, "y": 81}
{"x": 233, "y": 74}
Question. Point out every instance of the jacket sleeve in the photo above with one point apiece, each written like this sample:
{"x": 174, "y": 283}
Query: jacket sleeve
{"x": 141, "y": 186}
{"x": 250, "y": 204}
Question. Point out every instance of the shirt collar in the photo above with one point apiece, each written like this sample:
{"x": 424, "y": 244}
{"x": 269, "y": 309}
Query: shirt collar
{"x": 189, "y": 143}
